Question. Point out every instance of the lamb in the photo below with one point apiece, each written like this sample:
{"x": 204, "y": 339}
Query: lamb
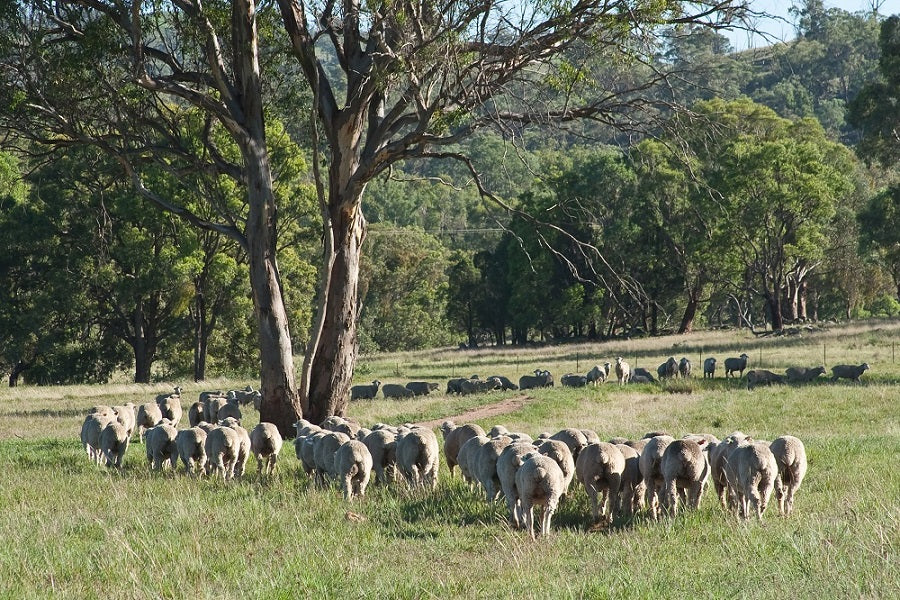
{"x": 803, "y": 374}
{"x": 598, "y": 374}
{"x": 685, "y": 470}
{"x": 539, "y": 481}
{"x": 599, "y": 469}
{"x": 478, "y": 386}
{"x": 668, "y": 369}
{"x": 736, "y": 364}
{"x": 631, "y": 486}
{"x": 560, "y": 452}
{"x": 325, "y": 448}
{"x": 508, "y": 463}
{"x": 505, "y": 383}
{"x": 573, "y": 380}
{"x": 623, "y": 371}
{"x": 125, "y": 414}
{"x": 229, "y": 410}
{"x": 353, "y": 466}
{"x": 650, "y": 464}
{"x": 265, "y": 444}
{"x": 365, "y": 392}
{"x": 418, "y": 457}
{"x": 195, "y": 413}
{"x": 851, "y": 372}
{"x": 762, "y": 377}
{"x": 466, "y": 457}
{"x": 191, "y": 446}
{"x": 751, "y": 472}
{"x": 421, "y": 388}
{"x": 573, "y": 438}
{"x": 684, "y": 367}
{"x": 455, "y": 437}
{"x": 719, "y": 455}
{"x": 395, "y": 390}
{"x": 243, "y": 454}
{"x": 540, "y": 379}
{"x": 484, "y": 465}
{"x": 641, "y": 375}
{"x": 709, "y": 368}
{"x": 149, "y": 415}
{"x": 160, "y": 446}
{"x": 222, "y": 447}
{"x": 382, "y": 445}
{"x": 114, "y": 440}
{"x": 790, "y": 455}
{"x": 170, "y": 407}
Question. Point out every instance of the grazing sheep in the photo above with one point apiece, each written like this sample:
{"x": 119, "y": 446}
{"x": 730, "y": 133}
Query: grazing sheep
{"x": 668, "y": 369}
{"x": 719, "y": 455}
{"x": 114, "y": 440}
{"x": 709, "y": 368}
{"x": 751, "y": 472}
{"x": 684, "y": 470}
{"x": 623, "y": 371}
{"x": 454, "y": 437}
{"x": 229, "y": 410}
{"x": 212, "y": 407}
{"x": 265, "y": 444}
{"x": 684, "y": 367}
{"x": 160, "y": 445}
{"x": 852, "y": 372}
{"x": 641, "y": 375}
{"x": 365, "y": 392}
{"x": 560, "y": 452}
{"x": 790, "y": 455}
{"x": 478, "y": 386}
{"x": 508, "y": 463}
{"x": 498, "y": 430}
{"x": 484, "y": 465}
{"x": 803, "y": 374}
{"x": 590, "y": 436}
{"x": 650, "y": 464}
{"x": 540, "y": 379}
{"x": 382, "y": 445}
{"x": 762, "y": 377}
{"x": 573, "y": 380}
{"x": 418, "y": 457}
{"x": 395, "y": 390}
{"x": 736, "y": 364}
{"x": 353, "y": 466}
{"x": 191, "y": 445}
{"x": 325, "y": 448}
{"x": 421, "y": 388}
{"x": 631, "y": 486}
{"x": 244, "y": 451}
{"x": 90, "y": 434}
{"x": 573, "y": 438}
{"x": 598, "y": 374}
{"x": 305, "y": 449}
{"x": 539, "y": 481}
{"x": 196, "y": 413}
{"x": 222, "y": 447}
{"x": 244, "y": 397}
{"x": 341, "y": 424}
{"x": 505, "y": 383}
{"x": 453, "y": 386}
{"x": 599, "y": 469}
{"x": 149, "y": 415}
{"x": 467, "y": 455}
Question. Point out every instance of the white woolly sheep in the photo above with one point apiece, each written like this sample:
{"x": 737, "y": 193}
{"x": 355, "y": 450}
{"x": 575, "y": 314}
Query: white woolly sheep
{"x": 685, "y": 470}
{"x": 573, "y": 438}
{"x": 102, "y": 410}
{"x": 306, "y": 452}
{"x": 170, "y": 406}
{"x": 466, "y": 457}
{"x": 598, "y": 374}
{"x": 114, "y": 441}
{"x": 709, "y": 368}
{"x": 149, "y": 415}
{"x": 353, "y": 466}
{"x": 684, "y": 367}
{"x": 560, "y": 452}
{"x": 265, "y": 444}
{"x": 243, "y": 455}
{"x": 790, "y": 455}
{"x": 126, "y": 415}
{"x": 540, "y": 379}
{"x": 599, "y": 468}
{"x": 222, "y": 447}
{"x": 484, "y": 465}
{"x": 590, "y": 436}
{"x": 191, "y": 445}
{"x": 539, "y": 481}
{"x": 851, "y": 372}
{"x": 631, "y": 486}
{"x": 421, "y": 388}
{"x": 803, "y": 374}
{"x": 196, "y": 413}
{"x": 212, "y": 407}
{"x": 758, "y": 377}
{"x": 418, "y": 457}
{"x": 229, "y": 410}
{"x": 719, "y": 455}
{"x": 176, "y": 391}
{"x": 498, "y": 430}
{"x": 90, "y": 434}
{"x": 325, "y": 448}
{"x": 637, "y": 445}
{"x": 382, "y": 445}
{"x": 160, "y": 446}
{"x": 668, "y": 369}
{"x": 650, "y": 464}
{"x": 736, "y": 364}
{"x": 751, "y": 472}
{"x": 508, "y": 463}
{"x": 365, "y": 392}
{"x": 623, "y": 371}
{"x": 454, "y": 437}
{"x": 242, "y": 397}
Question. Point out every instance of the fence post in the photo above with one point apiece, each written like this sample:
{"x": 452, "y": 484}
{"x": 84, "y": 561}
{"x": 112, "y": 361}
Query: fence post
{"x": 824, "y": 355}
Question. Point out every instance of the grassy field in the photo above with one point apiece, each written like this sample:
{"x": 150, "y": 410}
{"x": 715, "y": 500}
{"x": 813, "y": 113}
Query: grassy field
{"x": 69, "y": 529}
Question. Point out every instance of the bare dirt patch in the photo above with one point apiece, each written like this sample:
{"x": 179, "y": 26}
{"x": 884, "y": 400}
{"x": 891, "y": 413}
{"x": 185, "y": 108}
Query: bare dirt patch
{"x": 503, "y": 407}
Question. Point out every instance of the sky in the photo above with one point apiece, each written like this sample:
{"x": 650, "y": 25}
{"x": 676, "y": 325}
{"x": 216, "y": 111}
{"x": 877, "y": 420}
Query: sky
{"x": 785, "y": 30}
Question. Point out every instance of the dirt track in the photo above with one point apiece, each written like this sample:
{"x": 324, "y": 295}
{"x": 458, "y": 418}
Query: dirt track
{"x": 507, "y": 405}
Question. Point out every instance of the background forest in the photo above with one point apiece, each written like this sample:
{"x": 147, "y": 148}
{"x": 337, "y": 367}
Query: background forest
{"x": 768, "y": 203}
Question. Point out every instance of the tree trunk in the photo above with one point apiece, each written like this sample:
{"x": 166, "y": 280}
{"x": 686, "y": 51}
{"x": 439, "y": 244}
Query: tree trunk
{"x": 17, "y": 370}
{"x": 143, "y": 359}
{"x": 201, "y": 336}
{"x": 773, "y": 300}
{"x": 789, "y": 303}
{"x": 802, "y": 300}
{"x": 690, "y": 311}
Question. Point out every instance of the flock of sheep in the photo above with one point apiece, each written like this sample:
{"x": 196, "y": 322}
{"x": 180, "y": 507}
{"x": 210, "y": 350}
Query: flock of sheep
{"x": 656, "y": 473}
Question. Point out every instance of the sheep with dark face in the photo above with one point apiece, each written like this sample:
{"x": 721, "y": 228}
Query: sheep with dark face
{"x": 738, "y": 364}
{"x": 505, "y": 383}
{"x": 365, "y": 392}
{"x": 395, "y": 390}
{"x": 758, "y": 377}
{"x": 803, "y": 374}
{"x": 540, "y": 379}
{"x": 684, "y": 367}
{"x": 709, "y": 368}
{"x": 421, "y": 388}
{"x": 478, "y": 386}
{"x": 851, "y": 372}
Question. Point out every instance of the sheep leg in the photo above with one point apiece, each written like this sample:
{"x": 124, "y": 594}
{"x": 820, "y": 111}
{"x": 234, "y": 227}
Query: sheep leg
{"x": 547, "y": 515}
{"x": 591, "y": 489}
